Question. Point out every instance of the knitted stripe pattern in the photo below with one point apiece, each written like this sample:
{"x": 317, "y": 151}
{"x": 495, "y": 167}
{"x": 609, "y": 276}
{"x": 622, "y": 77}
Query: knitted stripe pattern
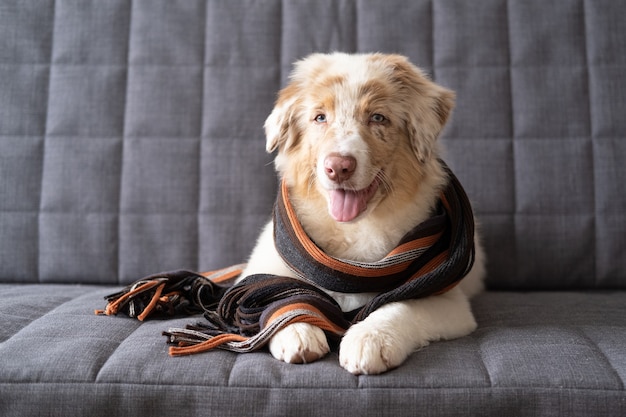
{"x": 431, "y": 259}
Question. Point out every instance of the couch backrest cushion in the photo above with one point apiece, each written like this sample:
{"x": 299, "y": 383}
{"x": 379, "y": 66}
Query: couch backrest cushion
{"x": 131, "y": 139}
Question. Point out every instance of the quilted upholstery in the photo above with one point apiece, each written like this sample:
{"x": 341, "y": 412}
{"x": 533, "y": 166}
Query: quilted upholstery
{"x": 131, "y": 142}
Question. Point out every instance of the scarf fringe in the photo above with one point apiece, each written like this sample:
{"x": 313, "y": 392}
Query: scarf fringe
{"x": 189, "y": 341}
{"x": 169, "y": 294}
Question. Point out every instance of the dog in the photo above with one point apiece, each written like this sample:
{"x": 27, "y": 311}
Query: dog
{"x": 355, "y": 137}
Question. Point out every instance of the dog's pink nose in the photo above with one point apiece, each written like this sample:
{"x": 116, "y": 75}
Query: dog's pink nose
{"x": 339, "y": 167}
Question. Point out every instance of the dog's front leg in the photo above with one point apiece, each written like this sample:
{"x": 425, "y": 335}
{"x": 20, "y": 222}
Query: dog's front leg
{"x": 390, "y": 334}
{"x": 299, "y": 343}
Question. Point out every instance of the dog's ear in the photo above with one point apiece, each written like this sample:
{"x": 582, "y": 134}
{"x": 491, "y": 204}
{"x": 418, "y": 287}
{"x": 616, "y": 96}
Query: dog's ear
{"x": 429, "y": 106}
{"x": 425, "y": 125}
{"x": 281, "y": 130}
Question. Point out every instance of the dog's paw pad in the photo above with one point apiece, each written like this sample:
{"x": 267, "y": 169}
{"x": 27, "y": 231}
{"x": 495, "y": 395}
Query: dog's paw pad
{"x": 364, "y": 351}
{"x": 299, "y": 343}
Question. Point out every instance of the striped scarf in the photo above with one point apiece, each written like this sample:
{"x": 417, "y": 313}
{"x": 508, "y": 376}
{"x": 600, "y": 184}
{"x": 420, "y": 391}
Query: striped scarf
{"x": 432, "y": 258}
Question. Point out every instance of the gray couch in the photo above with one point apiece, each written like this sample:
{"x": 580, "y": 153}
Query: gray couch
{"x": 131, "y": 143}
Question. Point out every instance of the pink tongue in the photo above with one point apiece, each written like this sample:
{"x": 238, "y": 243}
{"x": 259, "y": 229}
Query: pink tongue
{"x": 347, "y": 205}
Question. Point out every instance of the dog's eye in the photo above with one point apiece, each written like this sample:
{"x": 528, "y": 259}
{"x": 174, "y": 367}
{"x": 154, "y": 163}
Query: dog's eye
{"x": 377, "y": 118}
{"x": 320, "y": 118}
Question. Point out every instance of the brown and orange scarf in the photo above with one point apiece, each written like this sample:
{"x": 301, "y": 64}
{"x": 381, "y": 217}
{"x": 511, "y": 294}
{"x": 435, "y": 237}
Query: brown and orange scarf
{"x": 430, "y": 259}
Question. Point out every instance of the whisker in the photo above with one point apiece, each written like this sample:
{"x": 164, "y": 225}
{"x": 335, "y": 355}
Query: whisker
{"x": 385, "y": 181}
{"x": 311, "y": 181}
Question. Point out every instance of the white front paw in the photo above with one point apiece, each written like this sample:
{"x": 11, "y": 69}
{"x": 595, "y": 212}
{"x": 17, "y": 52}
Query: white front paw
{"x": 299, "y": 343}
{"x": 367, "y": 350}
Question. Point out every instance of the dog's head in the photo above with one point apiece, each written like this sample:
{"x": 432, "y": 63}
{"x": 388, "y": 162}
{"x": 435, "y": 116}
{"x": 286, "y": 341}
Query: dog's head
{"x": 349, "y": 128}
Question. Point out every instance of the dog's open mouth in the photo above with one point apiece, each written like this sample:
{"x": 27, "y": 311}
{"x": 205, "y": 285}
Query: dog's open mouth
{"x": 346, "y": 205}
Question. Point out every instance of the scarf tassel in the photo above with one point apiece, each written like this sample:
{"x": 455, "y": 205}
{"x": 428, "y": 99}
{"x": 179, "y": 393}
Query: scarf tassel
{"x": 169, "y": 294}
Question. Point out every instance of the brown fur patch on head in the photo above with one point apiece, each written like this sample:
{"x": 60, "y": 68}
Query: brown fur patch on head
{"x": 282, "y": 127}
{"x": 428, "y": 105}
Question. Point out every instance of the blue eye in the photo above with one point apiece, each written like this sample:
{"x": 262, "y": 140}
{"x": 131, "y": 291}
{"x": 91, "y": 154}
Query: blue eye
{"x": 377, "y": 118}
{"x": 320, "y": 118}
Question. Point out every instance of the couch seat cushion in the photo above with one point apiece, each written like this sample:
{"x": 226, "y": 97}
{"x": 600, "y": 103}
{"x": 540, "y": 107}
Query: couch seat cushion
{"x": 532, "y": 353}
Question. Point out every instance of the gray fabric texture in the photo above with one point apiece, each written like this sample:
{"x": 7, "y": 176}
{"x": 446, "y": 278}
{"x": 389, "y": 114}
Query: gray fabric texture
{"x": 131, "y": 132}
{"x": 131, "y": 142}
{"x": 542, "y": 353}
